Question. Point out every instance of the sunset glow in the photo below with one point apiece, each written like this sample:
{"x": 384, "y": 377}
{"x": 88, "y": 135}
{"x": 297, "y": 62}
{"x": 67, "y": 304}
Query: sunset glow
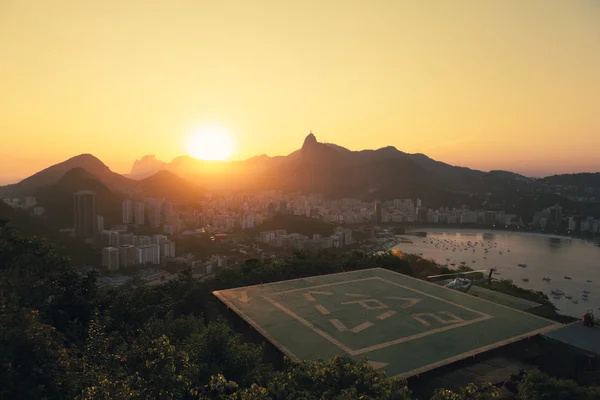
{"x": 210, "y": 143}
{"x": 491, "y": 85}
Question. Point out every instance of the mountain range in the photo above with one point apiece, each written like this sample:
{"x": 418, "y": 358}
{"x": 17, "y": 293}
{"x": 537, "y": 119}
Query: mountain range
{"x": 316, "y": 167}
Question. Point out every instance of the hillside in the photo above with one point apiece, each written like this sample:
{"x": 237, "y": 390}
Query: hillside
{"x": 170, "y": 186}
{"x": 58, "y": 198}
{"x": 145, "y": 167}
{"x": 54, "y": 173}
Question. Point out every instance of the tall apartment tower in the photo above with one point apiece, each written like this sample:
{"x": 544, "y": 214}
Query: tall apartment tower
{"x": 127, "y": 212}
{"x": 154, "y": 213}
{"x": 84, "y": 214}
{"x": 377, "y": 212}
{"x": 139, "y": 213}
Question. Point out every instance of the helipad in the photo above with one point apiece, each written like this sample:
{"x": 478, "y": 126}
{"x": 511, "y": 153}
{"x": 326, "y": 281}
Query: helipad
{"x": 402, "y": 324}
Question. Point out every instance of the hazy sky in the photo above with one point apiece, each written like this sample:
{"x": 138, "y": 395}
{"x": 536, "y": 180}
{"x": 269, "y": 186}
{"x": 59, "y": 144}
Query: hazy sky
{"x": 486, "y": 84}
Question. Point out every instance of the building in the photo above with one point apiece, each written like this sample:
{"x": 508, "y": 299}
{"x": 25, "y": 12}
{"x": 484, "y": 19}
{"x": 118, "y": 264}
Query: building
{"x": 127, "y": 211}
{"x": 166, "y": 211}
{"x": 84, "y": 214}
{"x": 159, "y": 239}
{"x": 127, "y": 255}
{"x": 110, "y": 258}
{"x": 422, "y": 213}
{"x": 139, "y": 213}
{"x": 154, "y": 213}
{"x": 283, "y": 208}
{"x": 139, "y": 240}
{"x": 148, "y": 254}
{"x": 30, "y": 202}
{"x": 99, "y": 223}
{"x": 489, "y": 218}
{"x": 377, "y": 212}
{"x": 110, "y": 238}
{"x": 271, "y": 210}
{"x": 168, "y": 249}
{"x": 125, "y": 238}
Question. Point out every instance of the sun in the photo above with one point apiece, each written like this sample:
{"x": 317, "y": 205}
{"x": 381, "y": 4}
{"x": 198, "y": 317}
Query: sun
{"x": 210, "y": 143}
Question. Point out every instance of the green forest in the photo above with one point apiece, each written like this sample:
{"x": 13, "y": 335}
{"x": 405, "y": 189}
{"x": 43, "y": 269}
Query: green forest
{"x": 62, "y": 338}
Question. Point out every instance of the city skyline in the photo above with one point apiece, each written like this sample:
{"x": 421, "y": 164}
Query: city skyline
{"x": 510, "y": 85}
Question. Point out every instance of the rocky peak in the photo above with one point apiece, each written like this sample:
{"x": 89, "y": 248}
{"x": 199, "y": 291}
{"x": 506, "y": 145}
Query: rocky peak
{"x": 310, "y": 141}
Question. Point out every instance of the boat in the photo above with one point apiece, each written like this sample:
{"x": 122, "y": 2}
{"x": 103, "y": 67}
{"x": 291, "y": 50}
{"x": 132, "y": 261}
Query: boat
{"x": 522, "y": 265}
{"x": 589, "y": 281}
{"x": 585, "y": 291}
{"x": 547, "y": 278}
{"x": 568, "y": 297}
{"x": 575, "y": 301}
{"x": 557, "y": 292}
{"x": 568, "y": 277}
{"x": 525, "y": 279}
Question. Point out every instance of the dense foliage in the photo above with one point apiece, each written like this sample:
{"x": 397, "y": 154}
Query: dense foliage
{"x": 62, "y": 339}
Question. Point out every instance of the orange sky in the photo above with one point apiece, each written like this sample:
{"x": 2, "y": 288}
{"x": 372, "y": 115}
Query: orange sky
{"x": 506, "y": 84}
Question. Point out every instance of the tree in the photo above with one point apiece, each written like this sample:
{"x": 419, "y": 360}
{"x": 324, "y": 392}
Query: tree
{"x": 536, "y": 385}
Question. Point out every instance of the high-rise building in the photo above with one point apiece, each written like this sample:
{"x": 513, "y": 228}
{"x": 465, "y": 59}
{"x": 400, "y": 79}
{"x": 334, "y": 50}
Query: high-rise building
{"x": 110, "y": 258}
{"x": 168, "y": 249}
{"x": 153, "y": 213}
{"x": 99, "y": 223}
{"x": 125, "y": 238}
{"x": 165, "y": 211}
{"x": 377, "y": 212}
{"x": 141, "y": 240}
{"x": 110, "y": 238}
{"x": 127, "y": 209}
{"x": 271, "y": 209}
{"x": 127, "y": 255}
{"x": 84, "y": 215}
{"x": 148, "y": 254}
{"x": 139, "y": 213}
{"x": 159, "y": 239}
{"x": 283, "y": 208}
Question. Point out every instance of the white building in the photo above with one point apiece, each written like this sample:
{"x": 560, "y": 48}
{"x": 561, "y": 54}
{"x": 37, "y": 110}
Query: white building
{"x": 110, "y": 258}
{"x": 148, "y": 254}
{"x": 139, "y": 213}
{"x": 127, "y": 255}
{"x": 168, "y": 249}
{"x": 127, "y": 211}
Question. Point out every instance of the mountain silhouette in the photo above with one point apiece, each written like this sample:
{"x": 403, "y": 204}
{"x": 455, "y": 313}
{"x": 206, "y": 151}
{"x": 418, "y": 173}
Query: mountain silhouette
{"x": 58, "y": 198}
{"x": 146, "y": 166}
{"x": 170, "y": 186}
{"x": 316, "y": 167}
{"x": 54, "y": 173}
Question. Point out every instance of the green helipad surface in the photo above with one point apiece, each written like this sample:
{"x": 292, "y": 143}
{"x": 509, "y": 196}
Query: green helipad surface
{"x": 402, "y": 324}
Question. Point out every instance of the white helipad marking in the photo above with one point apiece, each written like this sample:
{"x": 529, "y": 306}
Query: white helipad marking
{"x": 362, "y": 327}
{"x": 377, "y": 364}
{"x": 410, "y": 301}
{"x": 453, "y": 318}
{"x": 365, "y": 304}
{"x": 322, "y": 309}
{"x": 244, "y": 297}
{"x": 386, "y": 315}
{"x": 338, "y": 324}
{"x": 309, "y": 297}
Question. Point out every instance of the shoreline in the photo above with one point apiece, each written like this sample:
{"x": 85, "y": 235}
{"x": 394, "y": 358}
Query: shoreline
{"x": 495, "y": 232}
